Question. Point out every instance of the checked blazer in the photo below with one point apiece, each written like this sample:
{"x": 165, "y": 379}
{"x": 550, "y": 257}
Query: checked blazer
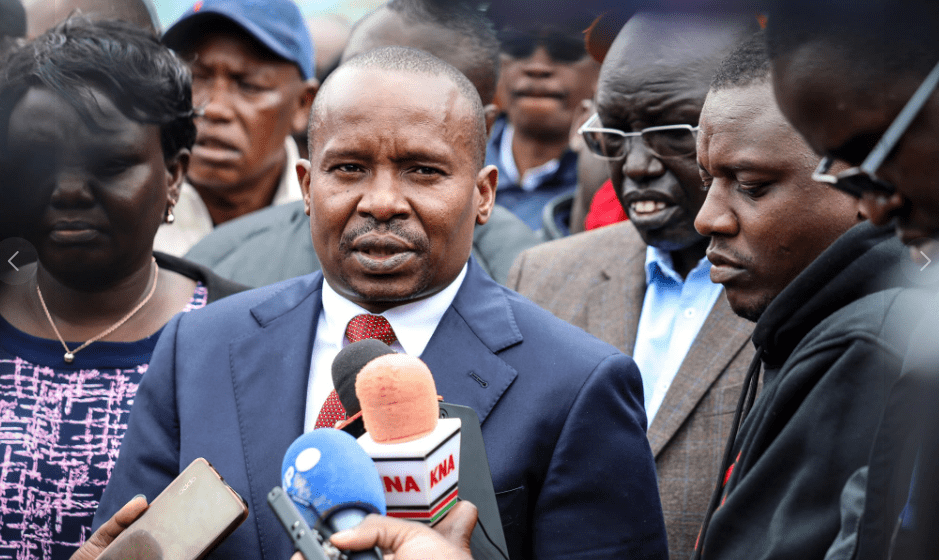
{"x": 596, "y": 281}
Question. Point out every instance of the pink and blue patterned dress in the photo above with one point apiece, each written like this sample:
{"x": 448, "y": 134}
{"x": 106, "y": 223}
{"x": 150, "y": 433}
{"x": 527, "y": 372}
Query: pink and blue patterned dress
{"x": 60, "y": 431}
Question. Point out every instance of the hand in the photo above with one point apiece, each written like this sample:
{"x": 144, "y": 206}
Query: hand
{"x": 409, "y": 540}
{"x": 111, "y": 529}
{"x": 457, "y": 526}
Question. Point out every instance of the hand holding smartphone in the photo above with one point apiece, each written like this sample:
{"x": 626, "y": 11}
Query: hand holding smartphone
{"x": 195, "y": 513}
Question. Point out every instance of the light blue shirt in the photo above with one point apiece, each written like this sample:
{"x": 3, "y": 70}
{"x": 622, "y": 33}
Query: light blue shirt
{"x": 672, "y": 314}
{"x": 534, "y": 176}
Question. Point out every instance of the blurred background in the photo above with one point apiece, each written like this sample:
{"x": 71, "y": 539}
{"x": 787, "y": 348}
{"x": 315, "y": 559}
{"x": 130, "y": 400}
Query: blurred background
{"x": 351, "y": 10}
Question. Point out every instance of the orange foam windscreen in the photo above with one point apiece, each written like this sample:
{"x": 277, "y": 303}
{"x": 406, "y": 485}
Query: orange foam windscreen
{"x": 398, "y": 398}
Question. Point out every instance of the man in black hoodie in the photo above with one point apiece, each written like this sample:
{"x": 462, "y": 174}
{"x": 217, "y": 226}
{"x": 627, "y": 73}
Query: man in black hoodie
{"x": 825, "y": 334}
{"x": 862, "y": 85}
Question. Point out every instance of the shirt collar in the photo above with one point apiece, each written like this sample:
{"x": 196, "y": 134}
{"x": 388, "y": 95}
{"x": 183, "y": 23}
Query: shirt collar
{"x": 414, "y": 323}
{"x": 534, "y": 176}
{"x": 661, "y": 261}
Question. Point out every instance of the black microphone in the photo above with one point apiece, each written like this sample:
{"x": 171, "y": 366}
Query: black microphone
{"x": 346, "y": 367}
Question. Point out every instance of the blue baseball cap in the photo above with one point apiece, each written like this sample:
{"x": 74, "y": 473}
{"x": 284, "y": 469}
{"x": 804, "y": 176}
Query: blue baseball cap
{"x": 277, "y": 24}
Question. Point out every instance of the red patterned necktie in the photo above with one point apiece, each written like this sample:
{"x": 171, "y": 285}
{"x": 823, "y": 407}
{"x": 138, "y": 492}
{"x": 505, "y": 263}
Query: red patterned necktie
{"x": 366, "y": 326}
{"x": 360, "y": 327}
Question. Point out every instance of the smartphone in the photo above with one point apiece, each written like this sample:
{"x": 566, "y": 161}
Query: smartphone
{"x": 195, "y": 513}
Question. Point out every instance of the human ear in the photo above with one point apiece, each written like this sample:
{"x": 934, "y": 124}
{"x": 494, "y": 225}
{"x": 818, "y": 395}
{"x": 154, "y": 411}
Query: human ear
{"x": 176, "y": 168}
{"x": 486, "y": 181}
{"x": 303, "y": 176}
{"x": 301, "y": 117}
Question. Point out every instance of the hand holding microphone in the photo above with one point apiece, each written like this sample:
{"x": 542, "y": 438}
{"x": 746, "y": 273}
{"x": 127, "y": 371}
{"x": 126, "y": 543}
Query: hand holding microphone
{"x": 449, "y": 539}
{"x": 332, "y": 484}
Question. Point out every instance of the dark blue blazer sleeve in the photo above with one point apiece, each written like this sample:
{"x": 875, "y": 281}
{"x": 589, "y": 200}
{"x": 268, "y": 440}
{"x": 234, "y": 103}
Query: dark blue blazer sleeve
{"x": 601, "y": 477}
{"x": 149, "y": 456}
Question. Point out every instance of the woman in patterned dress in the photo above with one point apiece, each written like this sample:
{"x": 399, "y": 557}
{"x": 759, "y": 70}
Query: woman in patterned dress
{"x": 96, "y": 124}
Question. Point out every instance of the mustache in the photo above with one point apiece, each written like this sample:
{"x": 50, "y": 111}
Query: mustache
{"x": 739, "y": 259}
{"x": 415, "y": 239}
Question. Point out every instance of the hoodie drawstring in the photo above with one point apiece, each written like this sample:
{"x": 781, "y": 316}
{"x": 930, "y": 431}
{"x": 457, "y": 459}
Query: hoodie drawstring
{"x": 744, "y": 404}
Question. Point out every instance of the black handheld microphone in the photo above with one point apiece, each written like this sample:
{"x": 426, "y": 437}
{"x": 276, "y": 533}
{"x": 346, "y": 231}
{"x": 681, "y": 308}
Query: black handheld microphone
{"x": 346, "y": 367}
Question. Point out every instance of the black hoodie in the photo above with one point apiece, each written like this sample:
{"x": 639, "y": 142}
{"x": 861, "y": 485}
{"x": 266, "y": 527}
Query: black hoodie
{"x": 831, "y": 344}
{"x": 901, "y": 507}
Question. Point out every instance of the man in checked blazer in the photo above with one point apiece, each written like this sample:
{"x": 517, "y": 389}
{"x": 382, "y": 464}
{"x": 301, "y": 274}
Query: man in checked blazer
{"x": 644, "y": 285}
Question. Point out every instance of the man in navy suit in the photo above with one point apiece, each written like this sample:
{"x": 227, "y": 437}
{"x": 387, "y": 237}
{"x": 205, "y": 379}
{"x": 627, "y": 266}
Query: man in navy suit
{"x": 394, "y": 187}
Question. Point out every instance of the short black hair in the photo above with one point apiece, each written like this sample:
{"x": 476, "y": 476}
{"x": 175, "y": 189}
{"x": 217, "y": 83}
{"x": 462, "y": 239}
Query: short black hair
{"x": 538, "y": 15}
{"x": 146, "y": 81}
{"x": 407, "y": 59}
{"x": 748, "y": 63}
{"x": 882, "y": 38}
{"x": 465, "y": 19}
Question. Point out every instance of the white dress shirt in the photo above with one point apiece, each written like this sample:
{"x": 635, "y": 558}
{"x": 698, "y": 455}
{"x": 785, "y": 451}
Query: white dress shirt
{"x": 193, "y": 221}
{"x": 413, "y": 324}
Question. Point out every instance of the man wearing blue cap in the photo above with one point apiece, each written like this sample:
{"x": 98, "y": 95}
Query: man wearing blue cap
{"x": 253, "y": 83}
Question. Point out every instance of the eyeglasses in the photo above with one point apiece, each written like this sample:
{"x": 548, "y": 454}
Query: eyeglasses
{"x": 863, "y": 179}
{"x": 561, "y": 47}
{"x": 674, "y": 140}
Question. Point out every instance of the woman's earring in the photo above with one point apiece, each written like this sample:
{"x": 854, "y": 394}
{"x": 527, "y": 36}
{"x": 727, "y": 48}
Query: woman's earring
{"x": 170, "y": 218}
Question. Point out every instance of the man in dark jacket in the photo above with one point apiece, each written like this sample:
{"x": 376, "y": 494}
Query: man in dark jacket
{"x": 828, "y": 338}
{"x": 886, "y": 76}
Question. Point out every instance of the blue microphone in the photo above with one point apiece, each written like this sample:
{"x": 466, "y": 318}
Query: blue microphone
{"x": 333, "y": 483}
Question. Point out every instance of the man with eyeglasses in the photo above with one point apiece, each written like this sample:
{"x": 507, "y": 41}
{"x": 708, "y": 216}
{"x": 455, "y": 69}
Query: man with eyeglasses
{"x": 861, "y": 86}
{"x": 644, "y": 285}
{"x": 546, "y": 73}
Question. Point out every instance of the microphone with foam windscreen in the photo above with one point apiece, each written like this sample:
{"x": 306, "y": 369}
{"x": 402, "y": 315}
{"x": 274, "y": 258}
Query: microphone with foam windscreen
{"x": 333, "y": 483}
{"x": 475, "y": 478}
{"x": 416, "y": 453}
{"x": 346, "y": 367}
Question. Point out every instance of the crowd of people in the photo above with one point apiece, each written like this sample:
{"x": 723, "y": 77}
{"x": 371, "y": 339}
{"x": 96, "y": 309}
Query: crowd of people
{"x": 737, "y": 360}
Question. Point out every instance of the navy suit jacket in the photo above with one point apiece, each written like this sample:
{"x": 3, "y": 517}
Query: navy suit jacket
{"x": 561, "y": 412}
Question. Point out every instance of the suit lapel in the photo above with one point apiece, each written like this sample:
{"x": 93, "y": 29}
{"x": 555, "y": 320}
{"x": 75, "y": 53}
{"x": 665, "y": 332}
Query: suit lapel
{"x": 462, "y": 352}
{"x": 726, "y": 334}
{"x": 270, "y": 385}
{"x": 614, "y": 304}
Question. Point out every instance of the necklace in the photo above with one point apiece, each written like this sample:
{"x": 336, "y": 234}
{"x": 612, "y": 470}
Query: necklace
{"x": 70, "y": 354}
